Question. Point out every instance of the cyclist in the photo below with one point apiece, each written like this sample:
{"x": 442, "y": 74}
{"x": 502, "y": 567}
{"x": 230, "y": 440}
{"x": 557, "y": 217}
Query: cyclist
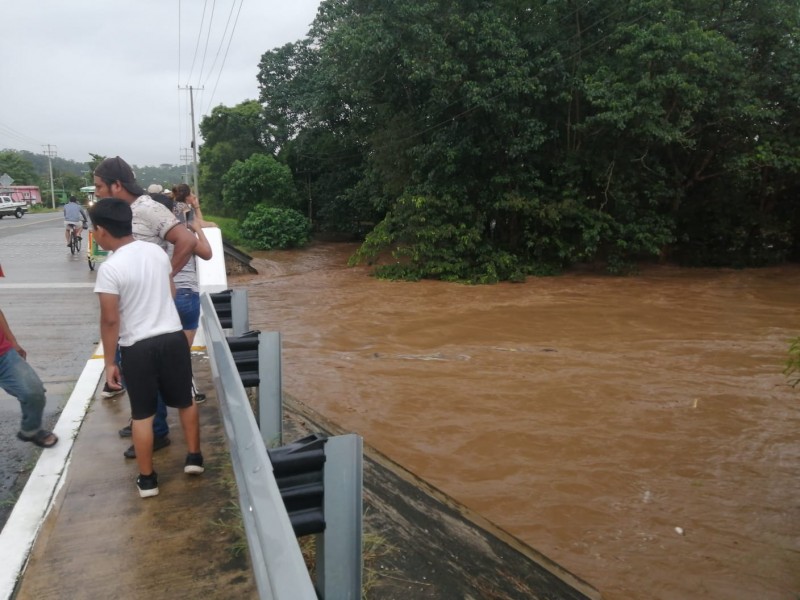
{"x": 74, "y": 216}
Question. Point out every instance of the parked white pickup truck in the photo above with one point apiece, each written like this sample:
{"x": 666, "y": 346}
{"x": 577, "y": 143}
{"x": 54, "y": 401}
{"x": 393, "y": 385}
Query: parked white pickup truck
{"x": 10, "y": 207}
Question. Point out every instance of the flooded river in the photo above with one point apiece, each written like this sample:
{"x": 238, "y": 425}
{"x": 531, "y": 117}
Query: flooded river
{"x": 639, "y": 431}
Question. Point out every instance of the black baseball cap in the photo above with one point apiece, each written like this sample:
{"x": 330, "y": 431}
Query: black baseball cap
{"x": 116, "y": 169}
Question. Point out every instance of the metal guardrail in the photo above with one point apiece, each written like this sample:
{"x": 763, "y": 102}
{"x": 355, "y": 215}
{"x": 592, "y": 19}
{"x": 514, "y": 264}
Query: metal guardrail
{"x": 278, "y": 565}
{"x": 337, "y": 521}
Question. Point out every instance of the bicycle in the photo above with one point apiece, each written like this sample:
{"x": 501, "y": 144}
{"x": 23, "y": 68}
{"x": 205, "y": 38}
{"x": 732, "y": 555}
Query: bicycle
{"x": 74, "y": 240}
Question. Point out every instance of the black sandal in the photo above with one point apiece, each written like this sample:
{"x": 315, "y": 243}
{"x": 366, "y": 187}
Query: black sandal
{"x": 40, "y": 438}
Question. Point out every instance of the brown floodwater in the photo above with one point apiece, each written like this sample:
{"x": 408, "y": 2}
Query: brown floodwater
{"x": 638, "y": 431}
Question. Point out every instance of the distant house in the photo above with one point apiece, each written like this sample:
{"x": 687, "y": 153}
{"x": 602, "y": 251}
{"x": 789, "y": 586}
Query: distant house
{"x": 23, "y": 193}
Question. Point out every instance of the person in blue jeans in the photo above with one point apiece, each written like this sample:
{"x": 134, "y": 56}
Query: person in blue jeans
{"x": 19, "y": 379}
{"x": 186, "y": 209}
{"x": 160, "y": 425}
{"x": 152, "y": 222}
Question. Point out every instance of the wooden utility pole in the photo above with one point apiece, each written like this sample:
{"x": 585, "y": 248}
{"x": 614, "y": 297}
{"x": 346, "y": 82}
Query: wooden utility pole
{"x": 194, "y": 140}
{"x": 50, "y": 152}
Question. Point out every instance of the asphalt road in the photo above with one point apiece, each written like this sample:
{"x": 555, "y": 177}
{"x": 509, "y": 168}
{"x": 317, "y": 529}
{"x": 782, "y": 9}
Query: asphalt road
{"x": 47, "y": 298}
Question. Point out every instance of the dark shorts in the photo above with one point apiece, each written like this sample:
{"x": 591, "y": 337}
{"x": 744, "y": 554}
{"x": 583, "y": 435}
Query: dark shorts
{"x": 158, "y": 364}
{"x": 188, "y": 304}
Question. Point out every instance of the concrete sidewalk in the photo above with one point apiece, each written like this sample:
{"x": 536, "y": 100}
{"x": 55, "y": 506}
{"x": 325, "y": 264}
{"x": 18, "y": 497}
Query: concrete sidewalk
{"x": 101, "y": 540}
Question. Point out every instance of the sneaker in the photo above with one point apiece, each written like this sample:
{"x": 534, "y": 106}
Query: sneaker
{"x": 110, "y": 393}
{"x": 199, "y": 397}
{"x": 158, "y": 444}
{"x": 125, "y": 431}
{"x": 193, "y": 464}
{"x": 148, "y": 485}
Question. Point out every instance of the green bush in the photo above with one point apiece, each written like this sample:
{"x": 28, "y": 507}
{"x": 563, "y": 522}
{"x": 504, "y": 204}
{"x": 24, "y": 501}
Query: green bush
{"x": 268, "y": 228}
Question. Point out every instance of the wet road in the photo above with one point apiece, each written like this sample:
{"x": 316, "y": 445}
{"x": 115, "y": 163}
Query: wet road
{"x": 47, "y": 298}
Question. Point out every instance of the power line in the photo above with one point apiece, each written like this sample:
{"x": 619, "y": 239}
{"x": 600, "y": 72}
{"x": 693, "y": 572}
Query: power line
{"x": 208, "y": 37}
{"x": 221, "y": 41}
{"x": 224, "y": 58}
{"x": 197, "y": 45}
{"x": 18, "y": 137}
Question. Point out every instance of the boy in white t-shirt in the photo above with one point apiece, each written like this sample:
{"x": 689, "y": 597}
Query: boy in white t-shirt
{"x": 135, "y": 290}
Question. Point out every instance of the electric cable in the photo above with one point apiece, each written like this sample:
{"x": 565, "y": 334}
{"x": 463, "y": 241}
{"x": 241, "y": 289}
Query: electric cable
{"x": 225, "y": 57}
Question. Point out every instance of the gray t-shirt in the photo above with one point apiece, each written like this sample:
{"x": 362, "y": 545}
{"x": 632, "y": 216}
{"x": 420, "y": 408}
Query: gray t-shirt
{"x": 73, "y": 212}
{"x": 187, "y": 277}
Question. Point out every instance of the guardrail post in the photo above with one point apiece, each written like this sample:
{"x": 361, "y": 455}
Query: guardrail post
{"x": 222, "y": 308}
{"x": 270, "y": 399}
{"x": 231, "y": 307}
{"x": 339, "y": 557}
{"x": 240, "y": 319}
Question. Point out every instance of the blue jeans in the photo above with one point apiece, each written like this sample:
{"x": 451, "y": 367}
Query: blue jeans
{"x": 160, "y": 426}
{"x": 188, "y": 304}
{"x": 19, "y": 379}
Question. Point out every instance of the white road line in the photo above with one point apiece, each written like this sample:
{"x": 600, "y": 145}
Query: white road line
{"x": 44, "y": 286}
{"x": 36, "y": 499}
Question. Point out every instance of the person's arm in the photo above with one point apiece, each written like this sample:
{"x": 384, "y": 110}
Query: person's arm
{"x": 198, "y": 214}
{"x": 109, "y": 334}
{"x": 184, "y": 242}
{"x": 203, "y": 248}
{"x": 10, "y": 336}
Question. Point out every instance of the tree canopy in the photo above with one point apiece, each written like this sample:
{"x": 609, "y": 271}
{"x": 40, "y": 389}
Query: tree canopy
{"x": 490, "y": 140}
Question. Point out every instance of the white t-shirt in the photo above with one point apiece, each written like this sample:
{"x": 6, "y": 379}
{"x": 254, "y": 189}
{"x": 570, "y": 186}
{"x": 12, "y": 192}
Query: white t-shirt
{"x": 139, "y": 274}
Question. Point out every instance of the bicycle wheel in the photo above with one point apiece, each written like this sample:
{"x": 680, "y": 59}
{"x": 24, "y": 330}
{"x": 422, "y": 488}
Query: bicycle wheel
{"x": 77, "y": 243}
{"x": 72, "y": 244}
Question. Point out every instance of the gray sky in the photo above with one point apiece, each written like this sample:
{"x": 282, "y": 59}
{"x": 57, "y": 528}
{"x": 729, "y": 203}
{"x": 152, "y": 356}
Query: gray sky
{"x": 103, "y": 77}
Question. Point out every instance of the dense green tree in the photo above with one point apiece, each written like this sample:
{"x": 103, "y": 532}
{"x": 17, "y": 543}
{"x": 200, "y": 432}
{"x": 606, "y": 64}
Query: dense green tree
{"x": 258, "y": 180}
{"x": 230, "y": 135}
{"x": 495, "y": 139}
{"x": 19, "y": 169}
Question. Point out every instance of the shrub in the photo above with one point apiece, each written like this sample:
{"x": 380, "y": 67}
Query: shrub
{"x": 268, "y": 228}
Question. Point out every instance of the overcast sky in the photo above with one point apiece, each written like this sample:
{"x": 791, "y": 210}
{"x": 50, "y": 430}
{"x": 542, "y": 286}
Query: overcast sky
{"x": 87, "y": 76}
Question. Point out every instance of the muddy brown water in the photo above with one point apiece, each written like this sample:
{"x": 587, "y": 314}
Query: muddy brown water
{"x": 639, "y": 431}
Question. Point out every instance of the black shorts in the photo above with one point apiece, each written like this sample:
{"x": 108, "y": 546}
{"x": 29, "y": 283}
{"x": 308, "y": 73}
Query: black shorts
{"x": 158, "y": 364}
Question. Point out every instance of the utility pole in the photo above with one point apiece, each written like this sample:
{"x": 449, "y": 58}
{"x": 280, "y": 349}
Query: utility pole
{"x": 194, "y": 140}
{"x": 185, "y": 157}
{"x": 50, "y": 153}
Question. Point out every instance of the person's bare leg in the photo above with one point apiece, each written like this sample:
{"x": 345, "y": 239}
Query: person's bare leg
{"x": 190, "y": 335}
{"x": 190, "y": 422}
{"x": 142, "y": 434}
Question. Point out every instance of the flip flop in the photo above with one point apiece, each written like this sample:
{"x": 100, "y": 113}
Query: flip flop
{"x": 40, "y": 438}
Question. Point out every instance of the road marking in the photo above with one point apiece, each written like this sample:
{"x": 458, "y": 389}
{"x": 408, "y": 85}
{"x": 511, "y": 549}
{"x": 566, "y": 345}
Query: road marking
{"x": 48, "y": 476}
{"x": 34, "y": 223}
{"x": 44, "y": 286}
